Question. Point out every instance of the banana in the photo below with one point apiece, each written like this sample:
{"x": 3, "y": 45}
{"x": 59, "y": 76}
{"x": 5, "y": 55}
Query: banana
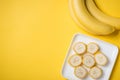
{"x": 74, "y": 17}
{"x": 80, "y": 72}
{"x": 92, "y": 48}
{"x": 101, "y": 59}
{"x": 95, "y": 72}
{"x": 79, "y": 48}
{"x": 98, "y": 14}
{"x": 88, "y": 61}
{"x": 88, "y": 21}
{"x": 75, "y": 60}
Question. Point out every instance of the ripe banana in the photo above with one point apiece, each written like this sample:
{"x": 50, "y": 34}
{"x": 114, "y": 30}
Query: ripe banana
{"x": 89, "y": 22}
{"x": 98, "y": 14}
{"x": 74, "y": 17}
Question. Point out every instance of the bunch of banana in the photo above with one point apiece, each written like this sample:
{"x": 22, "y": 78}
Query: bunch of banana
{"x": 90, "y": 18}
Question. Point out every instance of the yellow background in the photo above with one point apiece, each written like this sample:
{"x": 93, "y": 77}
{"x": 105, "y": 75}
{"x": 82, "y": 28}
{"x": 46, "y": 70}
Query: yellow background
{"x": 35, "y": 36}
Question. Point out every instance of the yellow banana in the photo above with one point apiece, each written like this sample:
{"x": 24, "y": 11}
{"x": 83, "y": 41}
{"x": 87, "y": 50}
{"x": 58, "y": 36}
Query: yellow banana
{"x": 98, "y": 14}
{"x": 90, "y": 23}
{"x": 74, "y": 17}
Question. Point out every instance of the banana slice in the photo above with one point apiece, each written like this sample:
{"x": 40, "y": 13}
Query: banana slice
{"x": 79, "y": 48}
{"x": 75, "y": 60}
{"x": 101, "y": 59}
{"x": 88, "y": 61}
{"x": 92, "y": 47}
{"x": 95, "y": 72}
{"x": 80, "y": 72}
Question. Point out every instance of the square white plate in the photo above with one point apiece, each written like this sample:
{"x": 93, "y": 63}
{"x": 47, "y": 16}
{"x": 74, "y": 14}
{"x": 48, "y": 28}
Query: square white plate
{"x": 111, "y": 51}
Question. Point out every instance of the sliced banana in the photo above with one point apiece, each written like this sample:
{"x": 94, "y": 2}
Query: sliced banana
{"x": 88, "y": 61}
{"x": 79, "y": 48}
{"x": 75, "y": 60}
{"x": 92, "y": 47}
{"x": 80, "y": 72}
{"x": 95, "y": 72}
{"x": 101, "y": 59}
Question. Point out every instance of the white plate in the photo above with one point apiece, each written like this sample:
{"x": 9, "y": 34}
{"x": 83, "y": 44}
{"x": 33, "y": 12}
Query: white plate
{"x": 111, "y": 51}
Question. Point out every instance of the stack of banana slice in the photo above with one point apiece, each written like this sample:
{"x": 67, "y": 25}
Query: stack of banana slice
{"x": 90, "y": 18}
{"x": 87, "y": 60}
